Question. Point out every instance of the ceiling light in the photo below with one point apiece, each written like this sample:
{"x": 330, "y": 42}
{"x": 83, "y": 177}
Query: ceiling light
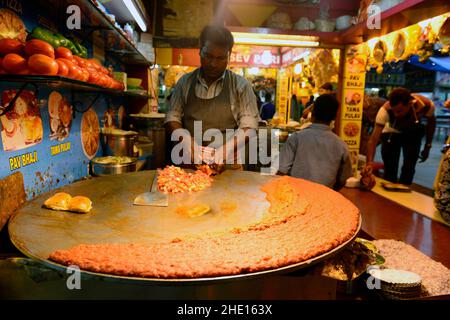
{"x": 136, "y": 14}
{"x": 275, "y": 40}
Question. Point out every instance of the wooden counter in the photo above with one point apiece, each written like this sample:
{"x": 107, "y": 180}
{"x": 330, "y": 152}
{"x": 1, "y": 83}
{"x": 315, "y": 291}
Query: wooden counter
{"x": 385, "y": 219}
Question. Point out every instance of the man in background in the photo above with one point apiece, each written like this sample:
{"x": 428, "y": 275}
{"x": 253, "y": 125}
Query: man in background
{"x": 399, "y": 126}
{"x": 267, "y": 110}
{"x": 316, "y": 153}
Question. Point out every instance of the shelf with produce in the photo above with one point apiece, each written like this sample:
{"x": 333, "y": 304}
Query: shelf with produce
{"x": 93, "y": 19}
{"x": 58, "y": 82}
{"x": 131, "y": 54}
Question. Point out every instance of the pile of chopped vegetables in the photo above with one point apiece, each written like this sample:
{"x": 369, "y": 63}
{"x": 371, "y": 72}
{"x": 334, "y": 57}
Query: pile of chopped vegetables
{"x": 175, "y": 180}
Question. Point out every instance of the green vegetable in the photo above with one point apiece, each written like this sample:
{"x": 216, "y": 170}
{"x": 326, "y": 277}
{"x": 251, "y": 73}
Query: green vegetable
{"x": 46, "y": 35}
{"x": 77, "y": 48}
{"x": 82, "y": 51}
{"x": 71, "y": 46}
{"x": 62, "y": 40}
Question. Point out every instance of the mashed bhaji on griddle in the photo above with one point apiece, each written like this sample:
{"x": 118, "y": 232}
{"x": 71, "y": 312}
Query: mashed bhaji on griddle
{"x": 304, "y": 220}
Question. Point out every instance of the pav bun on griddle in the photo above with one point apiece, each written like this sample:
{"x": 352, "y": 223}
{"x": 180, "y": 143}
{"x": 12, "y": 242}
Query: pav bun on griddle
{"x": 59, "y": 201}
{"x": 80, "y": 204}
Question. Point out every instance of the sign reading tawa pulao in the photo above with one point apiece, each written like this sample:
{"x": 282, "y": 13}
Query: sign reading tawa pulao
{"x": 60, "y": 148}
{"x": 353, "y": 99}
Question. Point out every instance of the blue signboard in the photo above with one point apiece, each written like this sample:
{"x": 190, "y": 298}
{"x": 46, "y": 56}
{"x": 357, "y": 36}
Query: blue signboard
{"x": 50, "y": 134}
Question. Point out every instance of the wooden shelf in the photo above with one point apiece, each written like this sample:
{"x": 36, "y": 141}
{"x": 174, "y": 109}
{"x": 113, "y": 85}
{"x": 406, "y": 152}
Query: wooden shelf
{"x": 58, "y": 82}
{"x": 92, "y": 19}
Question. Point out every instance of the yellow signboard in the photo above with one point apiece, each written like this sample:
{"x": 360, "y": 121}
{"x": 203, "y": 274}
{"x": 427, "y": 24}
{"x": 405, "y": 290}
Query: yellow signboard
{"x": 353, "y": 99}
{"x": 283, "y": 95}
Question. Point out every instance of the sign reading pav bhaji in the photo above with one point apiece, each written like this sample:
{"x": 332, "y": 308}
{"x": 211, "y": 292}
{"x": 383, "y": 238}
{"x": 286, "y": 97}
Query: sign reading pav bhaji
{"x": 23, "y": 160}
{"x": 21, "y": 126}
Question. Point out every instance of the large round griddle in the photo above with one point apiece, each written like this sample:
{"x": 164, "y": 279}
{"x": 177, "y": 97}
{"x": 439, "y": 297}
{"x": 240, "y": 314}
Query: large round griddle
{"x": 235, "y": 199}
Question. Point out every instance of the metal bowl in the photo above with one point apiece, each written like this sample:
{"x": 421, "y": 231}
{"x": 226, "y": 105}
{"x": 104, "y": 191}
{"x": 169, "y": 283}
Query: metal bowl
{"x": 119, "y": 143}
{"x": 105, "y": 169}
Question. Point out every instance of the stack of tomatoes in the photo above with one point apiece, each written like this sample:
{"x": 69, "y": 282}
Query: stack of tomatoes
{"x": 37, "y": 57}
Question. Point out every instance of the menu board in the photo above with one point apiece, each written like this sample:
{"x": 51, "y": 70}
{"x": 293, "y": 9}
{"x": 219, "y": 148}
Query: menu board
{"x": 353, "y": 98}
{"x": 283, "y": 94}
{"x": 49, "y": 133}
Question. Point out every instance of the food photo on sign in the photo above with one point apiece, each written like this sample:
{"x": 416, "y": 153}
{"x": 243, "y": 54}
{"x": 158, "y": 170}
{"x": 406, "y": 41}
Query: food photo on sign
{"x": 21, "y": 126}
{"x": 60, "y": 112}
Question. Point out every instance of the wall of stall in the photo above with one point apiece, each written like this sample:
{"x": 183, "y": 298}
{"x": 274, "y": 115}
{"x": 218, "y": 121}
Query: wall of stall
{"x": 46, "y": 135}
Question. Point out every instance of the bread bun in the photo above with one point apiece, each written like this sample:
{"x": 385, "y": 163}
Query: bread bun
{"x": 60, "y": 201}
{"x": 80, "y": 204}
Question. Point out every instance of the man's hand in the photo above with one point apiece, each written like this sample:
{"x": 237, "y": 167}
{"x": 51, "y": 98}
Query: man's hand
{"x": 425, "y": 153}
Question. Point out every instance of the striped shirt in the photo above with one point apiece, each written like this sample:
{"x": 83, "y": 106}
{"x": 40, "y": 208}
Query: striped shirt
{"x": 242, "y": 98}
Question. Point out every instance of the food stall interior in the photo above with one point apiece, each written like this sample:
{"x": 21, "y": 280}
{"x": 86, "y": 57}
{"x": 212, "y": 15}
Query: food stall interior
{"x": 84, "y": 92}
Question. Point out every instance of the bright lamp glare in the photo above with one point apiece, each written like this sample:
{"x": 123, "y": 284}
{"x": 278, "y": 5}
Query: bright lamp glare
{"x": 275, "y": 40}
{"x": 136, "y": 15}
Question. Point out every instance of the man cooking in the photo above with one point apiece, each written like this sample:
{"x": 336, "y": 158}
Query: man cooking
{"x": 217, "y": 97}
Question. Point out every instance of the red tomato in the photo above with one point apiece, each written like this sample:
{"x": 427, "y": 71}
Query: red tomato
{"x": 104, "y": 70}
{"x": 110, "y": 82}
{"x": 80, "y": 61}
{"x": 42, "y": 64}
{"x": 13, "y": 63}
{"x": 10, "y": 46}
{"x": 72, "y": 71}
{"x": 75, "y": 62}
{"x": 85, "y": 74}
{"x": 65, "y": 53}
{"x": 103, "y": 80}
{"x": 97, "y": 66}
{"x": 68, "y": 62}
{"x": 37, "y": 46}
{"x": 63, "y": 69}
{"x": 89, "y": 64}
{"x": 25, "y": 71}
{"x": 93, "y": 76}
{"x": 76, "y": 73}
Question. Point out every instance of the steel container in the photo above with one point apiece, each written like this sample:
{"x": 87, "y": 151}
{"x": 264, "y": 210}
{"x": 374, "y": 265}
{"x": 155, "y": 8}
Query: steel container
{"x": 119, "y": 144}
{"x": 105, "y": 169}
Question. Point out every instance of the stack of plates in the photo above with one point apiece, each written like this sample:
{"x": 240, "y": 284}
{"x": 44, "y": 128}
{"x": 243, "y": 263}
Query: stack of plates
{"x": 398, "y": 284}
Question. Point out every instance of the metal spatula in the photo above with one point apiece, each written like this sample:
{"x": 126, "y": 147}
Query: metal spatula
{"x": 154, "y": 197}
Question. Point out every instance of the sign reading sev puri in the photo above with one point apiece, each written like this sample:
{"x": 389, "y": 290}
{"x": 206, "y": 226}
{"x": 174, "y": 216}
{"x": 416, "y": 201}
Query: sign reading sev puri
{"x": 304, "y": 220}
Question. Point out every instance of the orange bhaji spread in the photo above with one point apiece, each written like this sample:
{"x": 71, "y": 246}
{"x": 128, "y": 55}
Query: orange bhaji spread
{"x": 305, "y": 219}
